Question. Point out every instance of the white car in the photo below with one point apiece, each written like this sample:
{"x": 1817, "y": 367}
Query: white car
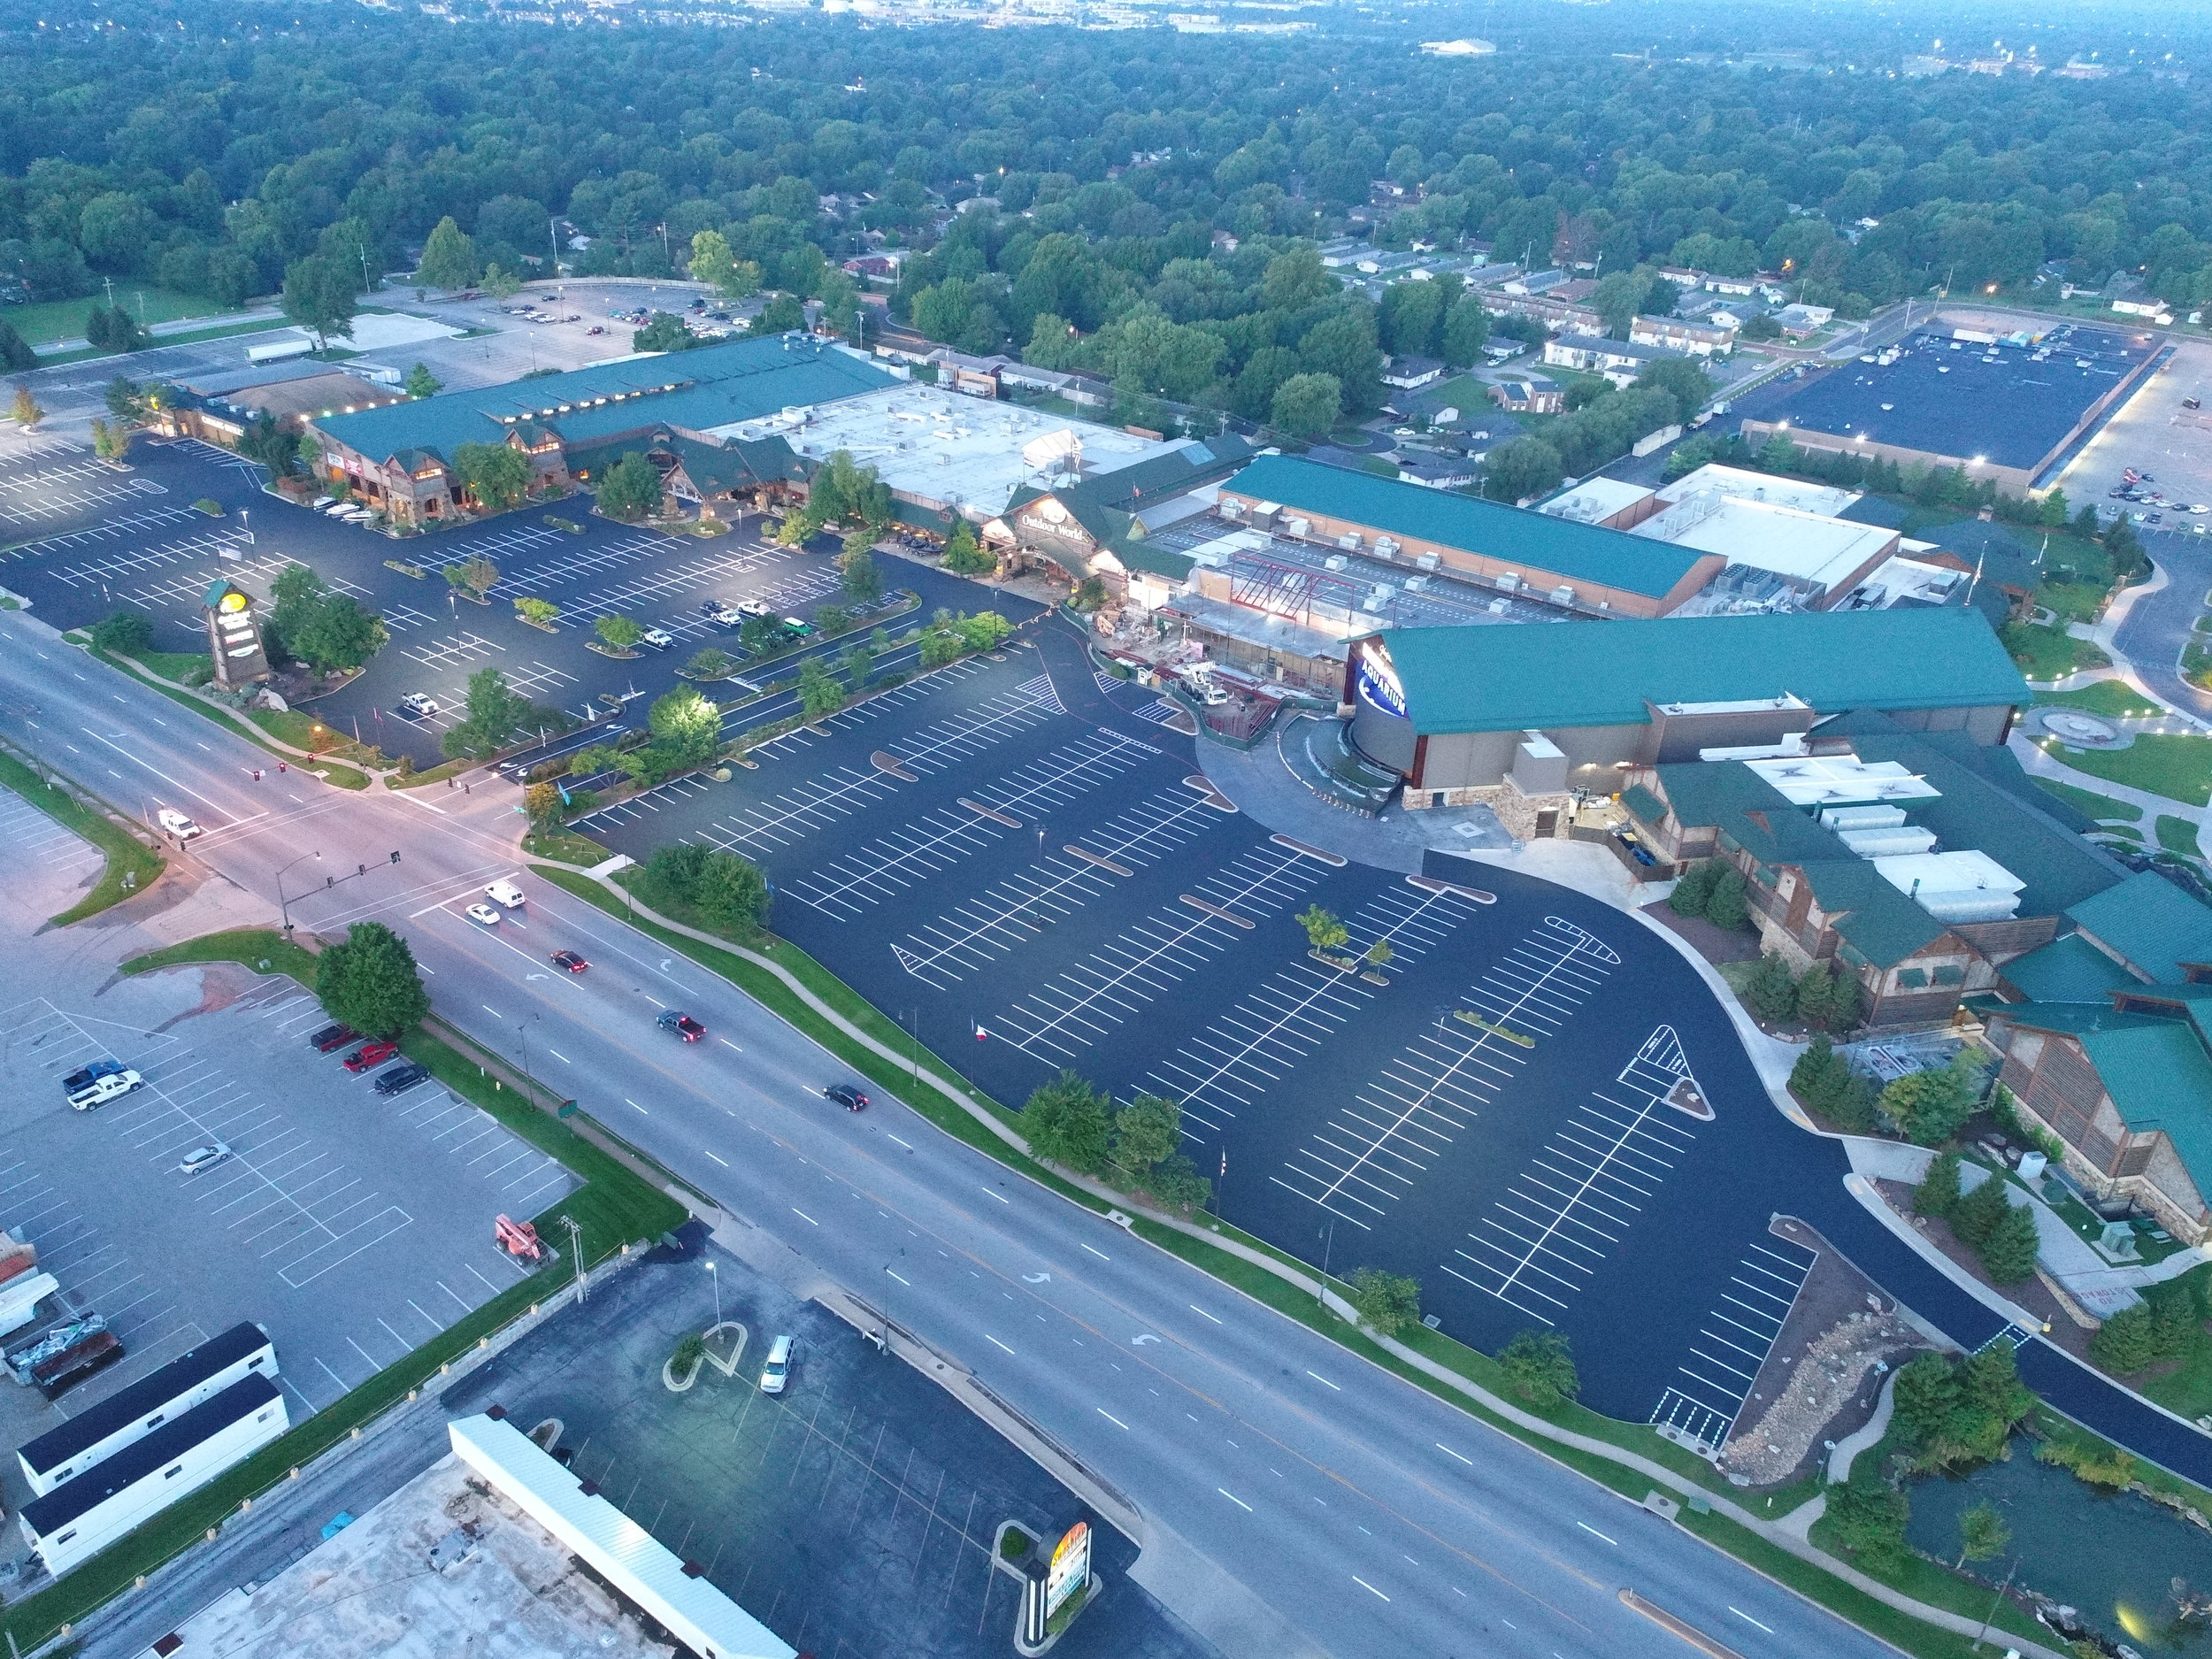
{"x": 101, "y": 1090}
{"x": 177, "y": 824}
{"x": 203, "y": 1158}
{"x": 659, "y": 639}
{"x": 484, "y": 914}
{"x": 775, "y": 1376}
{"x": 505, "y": 894}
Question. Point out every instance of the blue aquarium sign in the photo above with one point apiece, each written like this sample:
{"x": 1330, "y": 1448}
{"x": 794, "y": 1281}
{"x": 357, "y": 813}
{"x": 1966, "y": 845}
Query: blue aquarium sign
{"x": 1377, "y": 680}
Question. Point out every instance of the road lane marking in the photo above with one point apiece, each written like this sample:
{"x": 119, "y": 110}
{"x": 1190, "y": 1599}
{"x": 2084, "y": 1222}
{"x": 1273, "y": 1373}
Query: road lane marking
{"x": 1100, "y": 1254}
{"x": 494, "y": 1012}
{"x": 723, "y": 1162}
{"x": 726, "y": 1043}
{"x": 810, "y": 1221}
{"x": 1593, "y": 1532}
{"x": 634, "y": 1107}
{"x": 1232, "y": 1498}
{"x": 562, "y": 1058}
{"x": 1367, "y": 1587}
{"x": 1000, "y": 1196}
{"x": 1754, "y": 1623}
{"x": 1119, "y": 1424}
{"x": 1201, "y": 1313}
{"x": 1448, "y": 1451}
{"x": 995, "y": 1342}
{"x": 909, "y": 1145}
{"x": 907, "y": 1282}
{"x": 1324, "y": 1381}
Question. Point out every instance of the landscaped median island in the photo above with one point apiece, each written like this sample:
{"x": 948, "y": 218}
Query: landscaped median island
{"x": 1526, "y": 1392}
{"x": 617, "y": 1209}
{"x": 132, "y": 866}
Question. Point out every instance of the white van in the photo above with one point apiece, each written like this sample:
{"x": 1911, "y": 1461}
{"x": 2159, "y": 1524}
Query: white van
{"x": 775, "y": 1376}
{"x": 177, "y": 824}
{"x": 504, "y": 894}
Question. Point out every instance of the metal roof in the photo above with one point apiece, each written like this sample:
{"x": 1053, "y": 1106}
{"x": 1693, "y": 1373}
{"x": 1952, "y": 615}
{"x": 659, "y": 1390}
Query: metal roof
{"x": 706, "y": 1620}
{"x": 1533, "y": 540}
{"x": 2150, "y": 922}
{"x": 148, "y": 1393}
{"x": 73, "y": 1499}
{"x": 709, "y": 386}
{"x": 1604, "y": 674}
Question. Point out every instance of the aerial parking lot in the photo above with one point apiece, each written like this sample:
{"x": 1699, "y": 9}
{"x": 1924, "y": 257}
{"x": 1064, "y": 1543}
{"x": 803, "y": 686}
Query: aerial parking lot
{"x": 1539, "y": 1111}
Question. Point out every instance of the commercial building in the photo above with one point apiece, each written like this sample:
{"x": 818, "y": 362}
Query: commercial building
{"x": 2105, "y": 1039}
{"x": 82, "y": 1517}
{"x": 1573, "y": 566}
{"x": 1455, "y": 710}
{"x": 1689, "y": 336}
{"x": 1923, "y": 862}
{"x": 2009, "y": 407}
{"x": 400, "y": 459}
{"x": 1098, "y": 523}
{"x": 129, "y": 1414}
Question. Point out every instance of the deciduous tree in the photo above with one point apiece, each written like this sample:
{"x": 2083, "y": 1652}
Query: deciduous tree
{"x": 449, "y": 257}
{"x": 1068, "y": 1122}
{"x": 1388, "y": 1303}
{"x": 369, "y": 981}
{"x": 1540, "y": 1367}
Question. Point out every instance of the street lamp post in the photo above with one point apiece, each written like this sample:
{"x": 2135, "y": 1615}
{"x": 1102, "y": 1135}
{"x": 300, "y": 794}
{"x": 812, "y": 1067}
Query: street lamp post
{"x": 284, "y": 905}
{"x": 522, "y": 1030}
{"x": 716, "y": 1279}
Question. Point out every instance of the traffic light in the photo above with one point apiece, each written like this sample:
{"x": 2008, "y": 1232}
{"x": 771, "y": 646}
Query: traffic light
{"x": 395, "y": 857}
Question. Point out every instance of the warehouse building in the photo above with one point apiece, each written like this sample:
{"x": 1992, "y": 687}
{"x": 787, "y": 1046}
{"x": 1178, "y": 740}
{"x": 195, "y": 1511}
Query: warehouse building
{"x": 2009, "y": 408}
{"x": 1578, "y": 567}
{"x": 128, "y": 1416}
{"x": 1454, "y": 710}
{"x": 80, "y": 1517}
{"x": 400, "y": 459}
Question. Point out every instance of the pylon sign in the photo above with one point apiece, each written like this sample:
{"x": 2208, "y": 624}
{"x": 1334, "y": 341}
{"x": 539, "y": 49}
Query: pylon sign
{"x": 234, "y": 637}
{"x": 1071, "y": 1566}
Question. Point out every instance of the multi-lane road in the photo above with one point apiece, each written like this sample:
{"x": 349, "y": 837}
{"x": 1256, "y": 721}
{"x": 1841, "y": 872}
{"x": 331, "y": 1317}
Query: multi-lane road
{"x": 1359, "y": 1515}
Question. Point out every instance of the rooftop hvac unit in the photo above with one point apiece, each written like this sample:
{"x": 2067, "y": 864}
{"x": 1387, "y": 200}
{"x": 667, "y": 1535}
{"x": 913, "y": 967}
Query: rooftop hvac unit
{"x": 1349, "y": 541}
{"x": 1426, "y": 561}
{"x": 1334, "y": 562}
{"x": 1231, "y": 508}
{"x": 1375, "y": 602}
{"x": 1384, "y": 593}
{"x": 1889, "y": 843}
{"x": 1387, "y": 545}
{"x": 1511, "y": 581}
{"x": 1299, "y": 527}
{"x": 1858, "y": 818}
{"x": 1991, "y": 906}
{"x": 1415, "y": 584}
{"x": 1498, "y": 607}
{"x": 1562, "y": 595}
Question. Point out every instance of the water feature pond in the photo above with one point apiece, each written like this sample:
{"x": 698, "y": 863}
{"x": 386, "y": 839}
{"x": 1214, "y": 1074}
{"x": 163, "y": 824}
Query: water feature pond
{"x": 2125, "y": 1564}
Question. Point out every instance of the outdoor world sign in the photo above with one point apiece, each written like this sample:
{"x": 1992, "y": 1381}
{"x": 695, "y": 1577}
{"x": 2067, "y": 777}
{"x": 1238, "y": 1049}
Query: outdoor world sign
{"x": 233, "y": 638}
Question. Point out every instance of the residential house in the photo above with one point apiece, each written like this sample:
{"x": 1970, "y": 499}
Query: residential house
{"x": 1619, "y": 361}
{"x": 1706, "y": 337}
{"x": 1410, "y": 373}
{"x": 1528, "y": 394}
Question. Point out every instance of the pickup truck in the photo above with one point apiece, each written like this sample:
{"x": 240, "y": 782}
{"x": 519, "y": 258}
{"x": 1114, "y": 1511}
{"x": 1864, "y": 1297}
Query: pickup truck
{"x": 85, "y": 1076}
{"x": 101, "y": 1090}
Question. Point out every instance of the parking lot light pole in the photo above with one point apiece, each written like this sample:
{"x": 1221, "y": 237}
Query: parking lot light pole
{"x": 284, "y": 905}
{"x": 522, "y": 1027}
{"x": 716, "y": 1279}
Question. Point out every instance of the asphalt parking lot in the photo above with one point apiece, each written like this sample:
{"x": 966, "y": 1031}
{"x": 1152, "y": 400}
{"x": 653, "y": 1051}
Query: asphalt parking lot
{"x": 2154, "y": 434}
{"x": 854, "y": 1516}
{"x": 1051, "y": 884}
{"x": 352, "y": 1226}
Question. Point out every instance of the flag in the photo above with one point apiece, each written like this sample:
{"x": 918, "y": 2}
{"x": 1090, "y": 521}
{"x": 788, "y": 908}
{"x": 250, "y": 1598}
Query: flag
{"x": 981, "y": 1035}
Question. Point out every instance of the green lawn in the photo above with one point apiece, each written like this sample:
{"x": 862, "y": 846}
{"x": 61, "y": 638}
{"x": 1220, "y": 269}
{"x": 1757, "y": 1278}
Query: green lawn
{"x": 130, "y": 865}
{"x": 2101, "y": 807}
{"x": 344, "y": 777}
{"x": 2114, "y": 698}
{"x": 2174, "y": 764}
{"x": 264, "y": 949}
{"x": 2049, "y": 653}
{"x": 2178, "y": 835}
{"x": 64, "y": 319}
{"x": 2184, "y": 1389}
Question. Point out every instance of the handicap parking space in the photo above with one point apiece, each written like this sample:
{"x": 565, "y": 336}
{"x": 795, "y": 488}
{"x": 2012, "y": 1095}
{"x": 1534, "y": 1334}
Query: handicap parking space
{"x": 352, "y": 1225}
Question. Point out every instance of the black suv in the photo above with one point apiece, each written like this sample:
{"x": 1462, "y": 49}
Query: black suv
{"x": 331, "y": 1038}
{"x": 399, "y": 1079}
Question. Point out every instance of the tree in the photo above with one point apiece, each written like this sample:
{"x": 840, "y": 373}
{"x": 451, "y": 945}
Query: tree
{"x": 859, "y": 575}
{"x": 337, "y": 633}
{"x": 1809, "y": 1077}
{"x": 495, "y": 710}
{"x": 422, "y": 383}
{"x": 1925, "y": 1395}
{"x": 782, "y": 315}
{"x": 1386, "y": 1303}
{"x": 108, "y": 441}
{"x": 1982, "y": 1534}
{"x": 2135, "y": 1339}
{"x": 2010, "y": 1251}
{"x": 757, "y": 636}
{"x": 688, "y": 721}
{"x": 1466, "y": 331}
{"x": 319, "y": 295}
{"x": 589, "y": 763}
{"x": 711, "y": 261}
{"x": 109, "y": 328}
{"x": 267, "y": 442}
{"x": 829, "y": 620}
{"x": 1693, "y": 888}
{"x": 1937, "y": 1193}
{"x": 819, "y": 693}
{"x": 15, "y": 354}
{"x": 369, "y": 981}
{"x": 630, "y": 488}
{"x": 1930, "y": 1105}
{"x": 1540, "y": 1367}
{"x": 25, "y": 410}
{"x": 709, "y": 663}
{"x": 497, "y": 474}
{"x": 500, "y": 283}
{"x": 475, "y": 575}
{"x": 1724, "y": 907}
{"x": 617, "y": 633}
{"x": 1771, "y": 990}
{"x": 732, "y": 892}
{"x": 1974, "y": 1217}
{"x": 1306, "y": 405}
{"x": 857, "y": 662}
{"x": 1828, "y": 997}
{"x": 1520, "y": 468}
{"x": 1867, "y": 1517}
{"x": 1324, "y": 931}
{"x": 125, "y": 632}
{"x": 964, "y": 555}
{"x": 541, "y": 804}
{"x": 1148, "y": 1132}
{"x": 1068, "y": 1122}
{"x": 663, "y": 333}
{"x": 125, "y": 398}
{"x": 449, "y": 257}
{"x": 540, "y": 612}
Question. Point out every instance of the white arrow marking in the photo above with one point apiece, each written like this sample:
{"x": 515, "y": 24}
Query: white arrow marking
{"x": 1036, "y": 1278}
{"x": 1139, "y": 1342}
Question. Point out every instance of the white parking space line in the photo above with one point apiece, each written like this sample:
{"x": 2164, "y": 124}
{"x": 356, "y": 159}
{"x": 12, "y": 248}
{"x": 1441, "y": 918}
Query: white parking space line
{"x": 147, "y": 518}
{"x": 1580, "y": 1194}
{"x": 1374, "y": 1147}
{"x": 1701, "y": 1405}
{"x": 79, "y": 498}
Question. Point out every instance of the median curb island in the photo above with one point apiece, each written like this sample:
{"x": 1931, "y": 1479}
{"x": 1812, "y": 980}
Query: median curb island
{"x": 1490, "y": 1404}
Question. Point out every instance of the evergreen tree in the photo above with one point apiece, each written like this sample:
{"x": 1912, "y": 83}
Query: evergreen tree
{"x": 15, "y": 355}
{"x": 1693, "y": 889}
{"x": 1975, "y": 1218}
{"x": 2008, "y": 1253}
{"x": 1725, "y": 907}
{"x": 1937, "y": 1193}
{"x": 1809, "y": 1078}
{"x": 1771, "y": 990}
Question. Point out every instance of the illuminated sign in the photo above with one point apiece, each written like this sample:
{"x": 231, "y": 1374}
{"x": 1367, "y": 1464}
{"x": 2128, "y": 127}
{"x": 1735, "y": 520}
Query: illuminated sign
{"x": 232, "y": 600}
{"x": 1377, "y": 680}
{"x": 1070, "y": 1567}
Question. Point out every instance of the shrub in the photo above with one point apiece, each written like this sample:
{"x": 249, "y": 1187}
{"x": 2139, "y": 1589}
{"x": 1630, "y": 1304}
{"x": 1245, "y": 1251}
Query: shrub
{"x": 1389, "y": 1302}
{"x": 1540, "y": 1367}
{"x": 2110, "y": 1468}
{"x": 1867, "y": 1517}
{"x": 1928, "y": 1106}
{"x": 127, "y": 632}
{"x": 1694, "y": 889}
{"x": 690, "y": 1350}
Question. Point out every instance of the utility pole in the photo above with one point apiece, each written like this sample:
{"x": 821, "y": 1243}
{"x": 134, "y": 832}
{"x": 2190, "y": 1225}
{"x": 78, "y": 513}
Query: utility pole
{"x": 576, "y": 1249}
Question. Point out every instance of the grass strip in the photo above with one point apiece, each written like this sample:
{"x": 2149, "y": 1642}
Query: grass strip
{"x": 132, "y": 866}
{"x": 1901, "y": 1629}
{"x": 2103, "y": 808}
{"x": 2178, "y": 765}
{"x": 2178, "y": 835}
{"x": 614, "y": 1206}
{"x": 332, "y": 772}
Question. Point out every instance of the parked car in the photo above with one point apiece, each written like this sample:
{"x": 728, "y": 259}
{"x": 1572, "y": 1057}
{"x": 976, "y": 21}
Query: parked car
{"x": 484, "y": 915}
{"x": 571, "y": 960}
{"x": 797, "y": 628}
{"x": 177, "y": 824}
{"x": 594, "y": 329}
{"x": 333, "y": 1037}
{"x": 85, "y": 1076}
{"x": 370, "y": 1056}
{"x": 846, "y": 1095}
{"x": 689, "y": 1029}
{"x": 755, "y": 608}
{"x": 101, "y": 1090}
{"x": 775, "y": 1376}
{"x": 418, "y": 705}
{"x": 203, "y": 1158}
{"x": 399, "y": 1079}
{"x": 659, "y": 639}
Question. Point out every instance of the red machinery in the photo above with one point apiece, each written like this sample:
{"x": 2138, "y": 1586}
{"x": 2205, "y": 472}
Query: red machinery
{"x": 517, "y": 1239}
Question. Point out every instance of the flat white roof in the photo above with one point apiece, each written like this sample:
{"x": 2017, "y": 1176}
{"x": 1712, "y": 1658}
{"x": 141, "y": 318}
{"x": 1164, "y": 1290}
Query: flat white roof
{"x": 1840, "y": 780}
{"x": 1946, "y": 875}
{"x": 1825, "y": 499}
{"x": 612, "y": 1545}
{"x": 1808, "y": 547}
{"x": 1594, "y": 499}
{"x": 943, "y": 449}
